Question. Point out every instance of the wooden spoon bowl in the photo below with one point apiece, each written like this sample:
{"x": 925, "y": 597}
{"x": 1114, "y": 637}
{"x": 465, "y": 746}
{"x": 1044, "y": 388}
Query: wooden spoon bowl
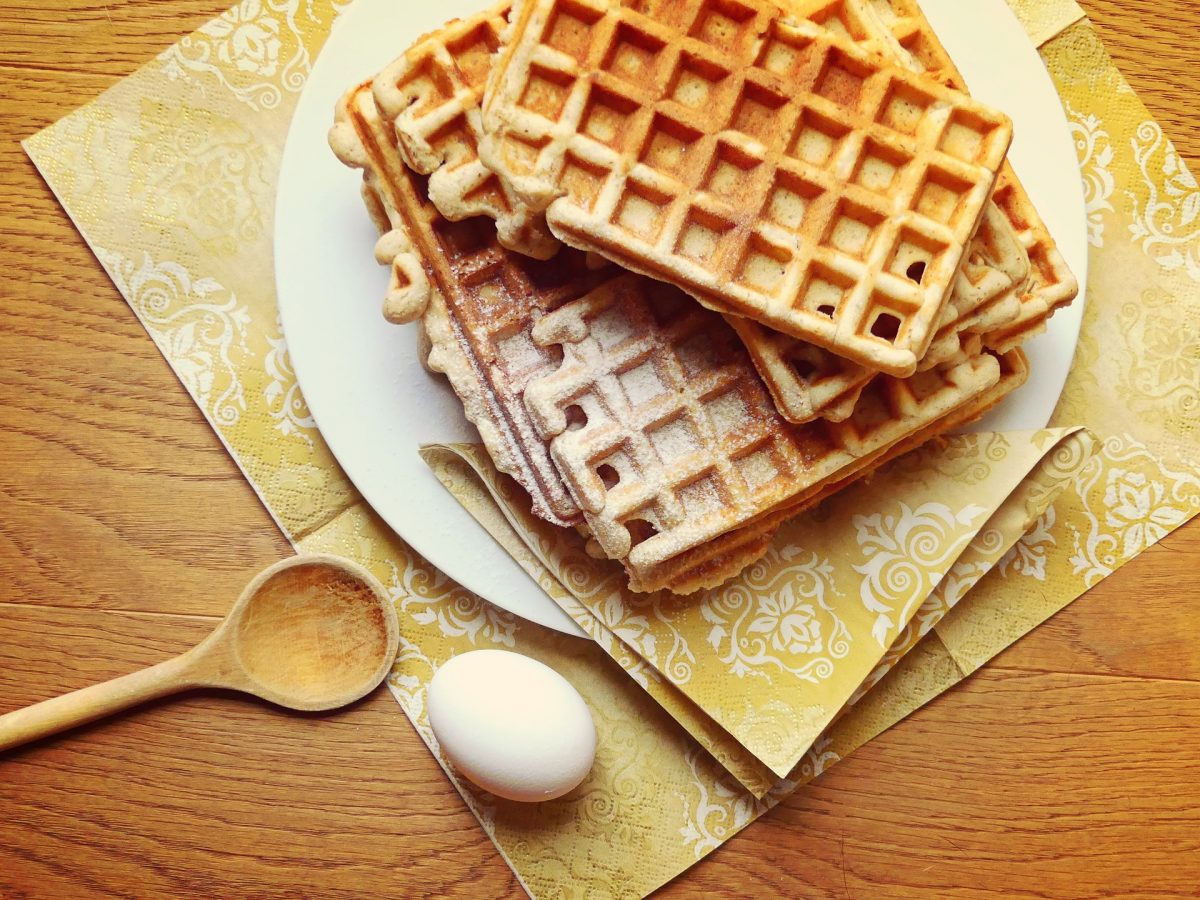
{"x": 312, "y": 633}
{"x": 309, "y": 633}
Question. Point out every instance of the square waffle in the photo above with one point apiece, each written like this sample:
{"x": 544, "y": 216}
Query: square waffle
{"x": 479, "y": 301}
{"x": 758, "y": 161}
{"x": 432, "y": 97}
{"x": 1052, "y": 285}
{"x": 667, "y": 439}
{"x": 714, "y": 563}
{"x": 808, "y": 382}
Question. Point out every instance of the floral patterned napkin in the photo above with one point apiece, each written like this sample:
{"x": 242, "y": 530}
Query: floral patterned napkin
{"x": 758, "y": 669}
{"x": 170, "y": 176}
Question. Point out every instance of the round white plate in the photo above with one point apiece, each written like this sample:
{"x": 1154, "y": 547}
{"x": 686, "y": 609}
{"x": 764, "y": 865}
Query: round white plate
{"x": 374, "y": 403}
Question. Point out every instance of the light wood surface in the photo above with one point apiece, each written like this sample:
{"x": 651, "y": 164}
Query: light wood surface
{"x": 1068, "y": 767}
{"x": 311, "y": 633}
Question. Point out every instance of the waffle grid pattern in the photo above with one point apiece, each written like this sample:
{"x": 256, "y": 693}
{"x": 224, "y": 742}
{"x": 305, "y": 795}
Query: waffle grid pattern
{"x": 666, "y": 437}
{"x": 1052, "y": 286}
{"x": 808, "y": 382}
{"x": 432, "y": 96}
{"x": 712, "y": 564}
{"x": 492, "y": 298}
{"x": 642, "y": 402}
{"x": 799, "y": 183}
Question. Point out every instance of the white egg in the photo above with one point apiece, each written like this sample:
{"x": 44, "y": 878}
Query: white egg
{"x": 512, "y": 725}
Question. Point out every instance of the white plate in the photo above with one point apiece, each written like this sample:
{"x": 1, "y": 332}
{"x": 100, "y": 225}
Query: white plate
{"x": 374, "y": 403}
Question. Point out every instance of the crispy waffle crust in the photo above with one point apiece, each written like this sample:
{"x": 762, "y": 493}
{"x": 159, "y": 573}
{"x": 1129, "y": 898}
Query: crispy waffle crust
{"x": 478, "y": 301}
{"x": 671, "y": 445}
{"x": 760, "y": 162}
{"x": 432, "y": 97}
{"x": 432, "y": 94}
{"x": 711, "y": 565}
{"x": 1052, "y": 285}
{"x": 808, "y": 382}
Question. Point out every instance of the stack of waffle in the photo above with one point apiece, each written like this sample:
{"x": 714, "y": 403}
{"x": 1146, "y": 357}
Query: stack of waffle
{"x": 694, "y": 265}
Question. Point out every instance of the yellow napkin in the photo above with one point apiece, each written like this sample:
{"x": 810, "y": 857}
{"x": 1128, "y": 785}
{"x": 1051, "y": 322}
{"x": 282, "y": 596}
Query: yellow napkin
{"x": 170, "y": 176}
{"x": 772, "y": 657}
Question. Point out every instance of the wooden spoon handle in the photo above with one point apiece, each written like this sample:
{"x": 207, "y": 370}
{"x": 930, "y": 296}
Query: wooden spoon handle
{"x": 95, "y": 702}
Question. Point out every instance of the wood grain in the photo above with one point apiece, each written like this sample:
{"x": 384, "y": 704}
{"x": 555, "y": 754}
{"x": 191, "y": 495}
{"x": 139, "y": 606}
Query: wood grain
{"x": 214, "y": 795}
{"x": 1154, "y": 43}
{"x": 1065, "y": 769}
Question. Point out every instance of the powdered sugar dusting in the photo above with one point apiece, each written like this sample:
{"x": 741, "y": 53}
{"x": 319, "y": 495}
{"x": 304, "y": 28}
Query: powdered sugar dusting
{"x": 674, "y": 440}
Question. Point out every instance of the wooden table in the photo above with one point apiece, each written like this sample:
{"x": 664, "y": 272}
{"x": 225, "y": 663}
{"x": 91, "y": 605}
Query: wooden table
{"x": 1069, "y": 765}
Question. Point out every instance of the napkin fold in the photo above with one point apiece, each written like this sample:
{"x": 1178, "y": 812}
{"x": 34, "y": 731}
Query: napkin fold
{"x": 763, "y": 664}
{"x": 1044, "y": 20}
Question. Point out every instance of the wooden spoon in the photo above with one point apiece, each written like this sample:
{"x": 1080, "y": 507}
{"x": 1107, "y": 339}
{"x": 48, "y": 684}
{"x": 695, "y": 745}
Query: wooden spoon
{"x": 308, "y": 633}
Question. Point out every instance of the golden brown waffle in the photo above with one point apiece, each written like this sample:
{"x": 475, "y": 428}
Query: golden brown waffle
{"x": 718, "y": 561}
{"x": 758, "y": 161}
{"x": 1052, "y": 286}
{"x": 478, "y": 300}
{"x": 808, "y": 382}
{"x": 668, "y": 440}
{"x": 432, "y": 96}
{"x": 988, "y": 292}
